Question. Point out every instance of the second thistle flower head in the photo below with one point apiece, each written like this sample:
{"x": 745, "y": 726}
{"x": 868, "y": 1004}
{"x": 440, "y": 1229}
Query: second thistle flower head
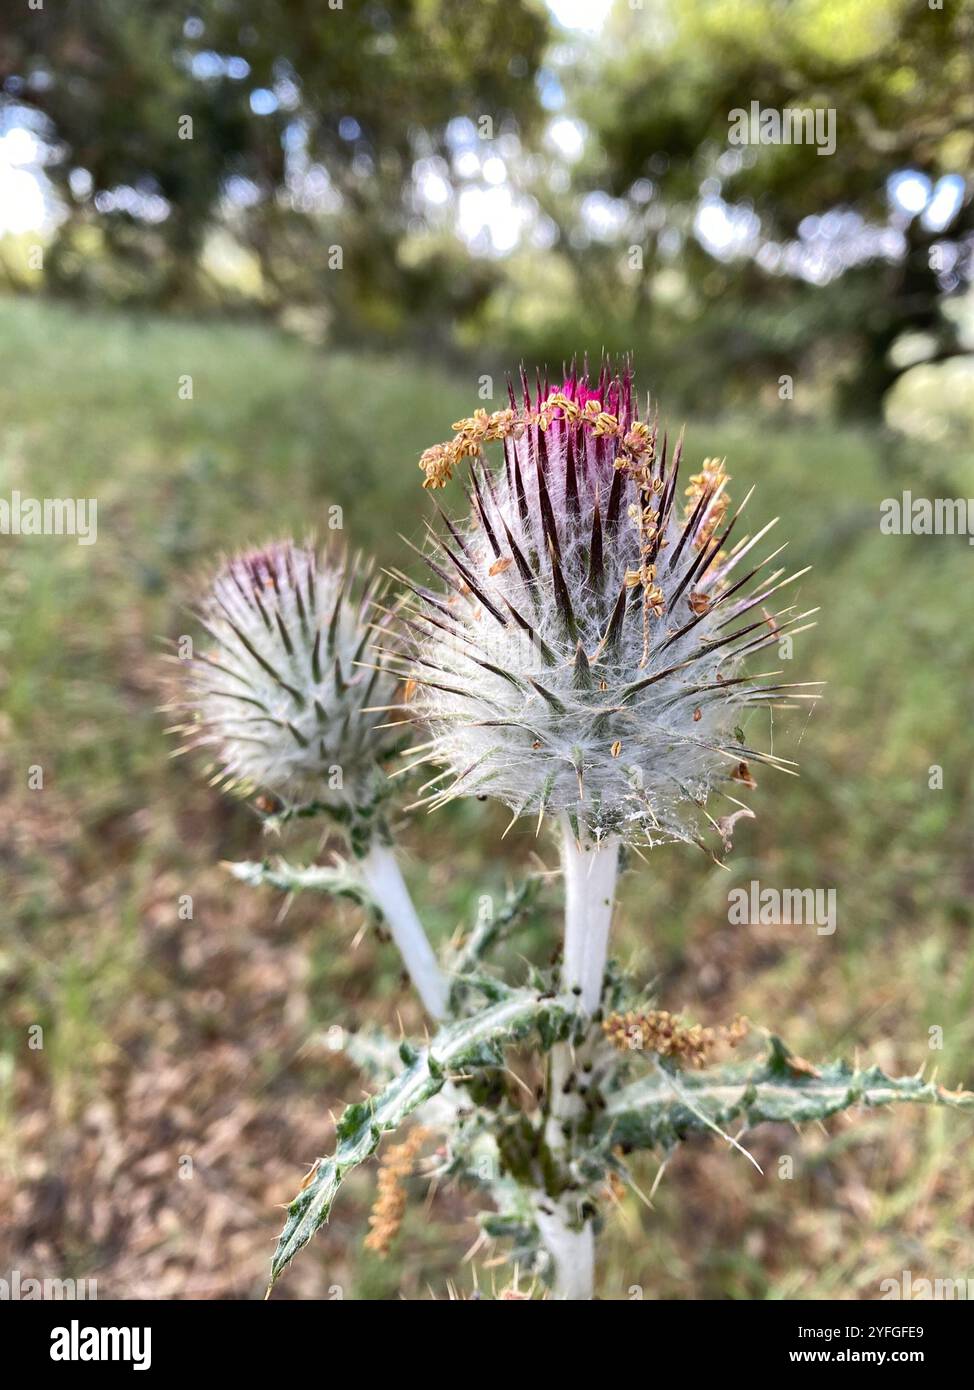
{"x": 583, "y": 649}
{"x": 287, "y": 700}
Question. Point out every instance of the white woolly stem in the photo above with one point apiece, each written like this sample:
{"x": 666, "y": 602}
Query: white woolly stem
{"x": 380, "y": 874}
{"x": 572, "y": 1251}
{"x": 590, "y": 870}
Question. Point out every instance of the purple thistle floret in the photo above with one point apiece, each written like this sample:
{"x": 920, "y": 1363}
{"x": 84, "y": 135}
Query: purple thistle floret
{"x": 583, "y": 650}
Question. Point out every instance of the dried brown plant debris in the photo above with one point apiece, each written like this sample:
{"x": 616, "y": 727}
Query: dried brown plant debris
{"x": 656, "y": 1030}
{"x": 389, "y": 1207}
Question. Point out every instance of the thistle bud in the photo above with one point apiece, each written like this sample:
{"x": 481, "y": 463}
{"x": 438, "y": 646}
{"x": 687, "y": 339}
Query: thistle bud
{"x": 582, "y": 650}
{"x": 288, "y": 699}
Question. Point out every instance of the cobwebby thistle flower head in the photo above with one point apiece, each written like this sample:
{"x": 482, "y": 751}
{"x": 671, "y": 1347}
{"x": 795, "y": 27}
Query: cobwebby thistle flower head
{"x": 288, "y": 699}
{"x": 583, "y": 648}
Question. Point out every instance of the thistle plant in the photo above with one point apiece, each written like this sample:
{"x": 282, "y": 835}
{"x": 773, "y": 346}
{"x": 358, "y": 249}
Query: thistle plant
{"x": 584, "y": 651}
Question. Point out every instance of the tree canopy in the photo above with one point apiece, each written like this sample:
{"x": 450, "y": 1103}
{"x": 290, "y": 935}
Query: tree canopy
{"x": 367, "y": 138}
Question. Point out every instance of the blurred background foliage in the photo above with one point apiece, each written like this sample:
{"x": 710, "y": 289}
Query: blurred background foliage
{"x": 449, "y": 174}
{"x": 382, "y": 208}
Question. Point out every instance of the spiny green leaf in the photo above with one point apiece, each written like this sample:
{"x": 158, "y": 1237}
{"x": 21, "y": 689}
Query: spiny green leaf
{"x": 338, "y": 879}
{"x": 468, "y": 1043}
{"x": 490, "y": 930}
{"x": 657, "y": 1112}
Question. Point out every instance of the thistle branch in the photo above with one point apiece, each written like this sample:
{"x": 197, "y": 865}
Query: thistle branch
{"x": 382, "y": 878}
{"x": 590, "y": 870}
{"x": 375, "y": 881}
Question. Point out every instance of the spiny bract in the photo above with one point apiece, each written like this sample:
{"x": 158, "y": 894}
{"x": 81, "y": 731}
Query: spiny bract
{"x": 583, "y": 651}
{"x": 288, "y": 700}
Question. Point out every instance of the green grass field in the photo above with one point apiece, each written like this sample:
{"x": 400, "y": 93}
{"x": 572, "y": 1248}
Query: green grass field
{"x": 185, "y": 1078}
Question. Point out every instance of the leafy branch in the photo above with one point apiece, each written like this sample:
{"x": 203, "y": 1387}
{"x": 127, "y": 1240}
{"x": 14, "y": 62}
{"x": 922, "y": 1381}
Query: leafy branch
{"x": 338, "y": 879}
{"x": 659, "y": 1110}
{"x": 477, "y": 1041}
